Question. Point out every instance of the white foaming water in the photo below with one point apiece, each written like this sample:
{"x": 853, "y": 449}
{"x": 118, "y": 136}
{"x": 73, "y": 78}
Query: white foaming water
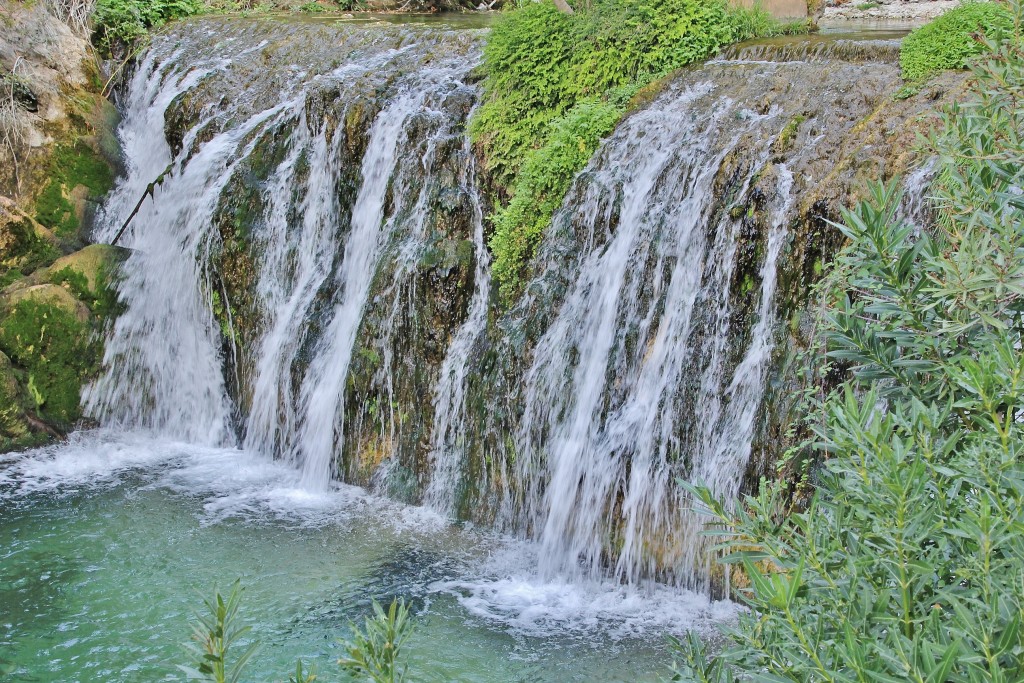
{"x": 606, "y": 418}
{"x": 494, "y": 577}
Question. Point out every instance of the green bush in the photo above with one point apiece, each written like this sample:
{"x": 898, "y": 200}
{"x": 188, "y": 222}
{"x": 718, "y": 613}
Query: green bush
{"x": 542, "y": 183}
{"x": 551, "y": 76}
{"x": 908, "y": 564}
{"x": 949, "y": 41}
{"x": 126, "y": 22}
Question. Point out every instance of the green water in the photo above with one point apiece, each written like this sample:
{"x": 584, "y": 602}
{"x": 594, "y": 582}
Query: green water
{"x": 105, "y": 543}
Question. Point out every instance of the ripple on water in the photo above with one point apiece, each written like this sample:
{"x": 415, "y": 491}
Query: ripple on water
{"x": 106, "y": 539}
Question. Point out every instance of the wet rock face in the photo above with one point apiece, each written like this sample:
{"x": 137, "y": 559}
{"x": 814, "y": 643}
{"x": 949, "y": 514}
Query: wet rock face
{"x": 829, "y": 122}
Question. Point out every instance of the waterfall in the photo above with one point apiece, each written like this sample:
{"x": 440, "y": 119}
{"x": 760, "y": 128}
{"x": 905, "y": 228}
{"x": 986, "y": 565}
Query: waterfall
{"x": 310, "y": 279}
{"x": 166, "y": 357}
{"x": 603, "y": 409}
{"x": 163, "y": 358}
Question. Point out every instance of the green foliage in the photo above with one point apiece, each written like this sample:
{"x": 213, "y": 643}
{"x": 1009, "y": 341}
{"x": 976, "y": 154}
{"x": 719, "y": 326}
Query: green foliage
{"x": 126, "y": 22}
{"x": 214, "y": 632}
{"x": 312, "y": 8}
{"x": 908, "y": 564}
{"x": 542, "y": 183}
{"x": 375, "y": 651}
{"x": 301, "y": 675}
{"x": 553, "y": 81}
{"x": 57, "y": 351}
{"x": 540, "y": 62}
{"x": 951, "y": 40}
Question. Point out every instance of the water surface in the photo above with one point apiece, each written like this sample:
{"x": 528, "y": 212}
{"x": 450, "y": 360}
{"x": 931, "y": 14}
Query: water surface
{"x": 107, "y": 543}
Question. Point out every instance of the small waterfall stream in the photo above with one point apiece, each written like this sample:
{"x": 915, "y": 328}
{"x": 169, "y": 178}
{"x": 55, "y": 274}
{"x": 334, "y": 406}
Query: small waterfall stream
{"x": 310, "y": 280}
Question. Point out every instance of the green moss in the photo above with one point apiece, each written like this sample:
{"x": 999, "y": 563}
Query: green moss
{"x": 79, "y": 164}
{"x": 788, "y": 134}
{"x": 465, "y": 253}
{"x": 55, "y": 211}
{"x": 57, "y": 353}
{"x": 26, "y": 251}
{"x": 432, "y": 256}
{"x": 224, "y": 315}
{"x": 74, "y": 281}
{"x": 747, "y": 286}
{"x": 950, "y": 41}
{"x": 71, "y": 166}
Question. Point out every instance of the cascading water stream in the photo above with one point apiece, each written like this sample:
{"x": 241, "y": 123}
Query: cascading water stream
{"x": 322, "y": 391}
{"x": 448, "y": 448}
{"x": 602, "y": 407}
{"x": 310, "y": 280}
{"x": 163, "y": 356}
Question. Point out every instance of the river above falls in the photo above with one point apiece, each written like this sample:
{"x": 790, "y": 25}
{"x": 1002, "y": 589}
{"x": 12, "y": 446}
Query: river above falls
{"x": 106, "y": 541}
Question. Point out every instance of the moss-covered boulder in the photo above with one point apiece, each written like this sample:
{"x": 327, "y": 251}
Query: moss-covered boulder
{"x": 51, "y": 343}
{"x": 50, "y": 296}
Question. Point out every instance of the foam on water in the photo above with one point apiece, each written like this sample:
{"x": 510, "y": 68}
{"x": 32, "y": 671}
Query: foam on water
{"x": 492, "y": 577}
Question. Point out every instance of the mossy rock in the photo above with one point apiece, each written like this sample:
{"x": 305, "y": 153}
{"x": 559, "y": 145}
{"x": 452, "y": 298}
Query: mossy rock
{"x": 52, "y": 348}
{"x": 25, "y": 245}
{"x": 50, "y": 295}
{"x": 95, "y": 262}
{"x": 78, "y": 175}
{"x": 13, "y": 426}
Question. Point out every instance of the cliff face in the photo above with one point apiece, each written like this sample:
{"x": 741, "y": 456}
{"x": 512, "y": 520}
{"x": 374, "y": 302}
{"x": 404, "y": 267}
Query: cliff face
{"x": 58, "y": 154}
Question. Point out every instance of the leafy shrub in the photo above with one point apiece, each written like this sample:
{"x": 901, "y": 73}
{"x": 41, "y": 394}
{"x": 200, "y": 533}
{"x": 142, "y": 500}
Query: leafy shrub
{"x": 908, "y": 564}
{"x": 542, "y": 183}
{"x": 126, "y": 22}
{"x": 540, "y": 64}
{"x": 950, "y": 40}
{"x": 375, "y": 650}
{"x": 213, "y": 633}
